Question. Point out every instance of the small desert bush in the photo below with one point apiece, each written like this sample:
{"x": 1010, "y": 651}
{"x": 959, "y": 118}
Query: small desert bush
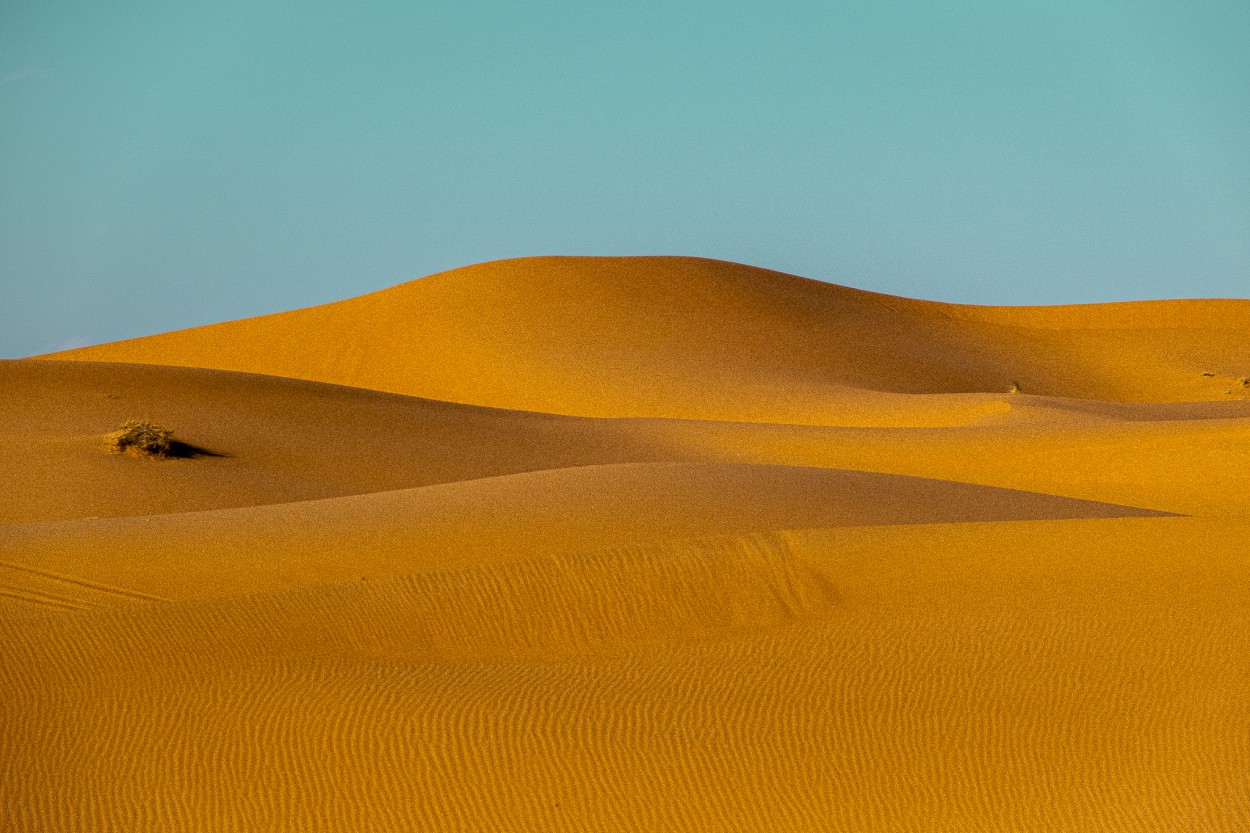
{"x": 146, "y": 439}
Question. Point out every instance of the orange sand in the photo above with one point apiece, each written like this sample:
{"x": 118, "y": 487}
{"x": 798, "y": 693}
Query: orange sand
{"x": 629, "y": 544}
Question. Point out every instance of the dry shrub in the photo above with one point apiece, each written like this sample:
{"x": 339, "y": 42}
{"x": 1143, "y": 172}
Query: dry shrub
{"x": 142, "y": 438}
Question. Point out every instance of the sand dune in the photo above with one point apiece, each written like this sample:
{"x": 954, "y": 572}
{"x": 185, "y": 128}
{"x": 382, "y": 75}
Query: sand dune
{"x": 582, "y": 336}
{"x": 634, "y": 544}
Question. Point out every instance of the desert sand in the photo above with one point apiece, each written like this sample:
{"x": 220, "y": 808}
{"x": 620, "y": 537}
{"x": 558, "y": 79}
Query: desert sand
{"x": 634, "y": 544}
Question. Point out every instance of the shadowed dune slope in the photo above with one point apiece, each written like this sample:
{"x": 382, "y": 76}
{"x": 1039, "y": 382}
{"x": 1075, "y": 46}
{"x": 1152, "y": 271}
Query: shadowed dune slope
{"x": 704, "y": 339}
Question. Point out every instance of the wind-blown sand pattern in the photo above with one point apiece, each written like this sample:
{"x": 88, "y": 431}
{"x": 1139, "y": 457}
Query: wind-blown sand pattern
{"x": 623, "y": 544}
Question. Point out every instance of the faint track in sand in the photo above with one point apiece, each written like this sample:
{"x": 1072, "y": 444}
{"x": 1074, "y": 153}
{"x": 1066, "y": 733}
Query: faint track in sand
{"x": 50, "y": 589}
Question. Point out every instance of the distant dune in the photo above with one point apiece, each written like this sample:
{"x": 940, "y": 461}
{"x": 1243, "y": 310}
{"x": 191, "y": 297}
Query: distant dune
{"x": 703, "y": 339}
{"x": 635, "y": 544}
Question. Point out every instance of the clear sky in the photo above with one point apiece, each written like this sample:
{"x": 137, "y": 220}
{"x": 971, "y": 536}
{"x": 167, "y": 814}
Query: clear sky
{"x": 165, "y": 163}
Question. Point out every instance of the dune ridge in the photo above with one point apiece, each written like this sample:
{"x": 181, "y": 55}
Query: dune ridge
{"x": 670, "y": 544}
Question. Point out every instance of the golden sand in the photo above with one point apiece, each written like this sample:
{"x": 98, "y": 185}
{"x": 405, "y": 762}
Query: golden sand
{"x": 592, "y": 544}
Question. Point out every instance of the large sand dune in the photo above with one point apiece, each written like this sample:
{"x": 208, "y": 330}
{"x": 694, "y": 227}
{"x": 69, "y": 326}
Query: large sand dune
{"x": 634, "y": 544}
{"x": 702, "y": 339}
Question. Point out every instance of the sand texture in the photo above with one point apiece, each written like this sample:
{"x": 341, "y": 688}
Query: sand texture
{"x": 634, "y": 544}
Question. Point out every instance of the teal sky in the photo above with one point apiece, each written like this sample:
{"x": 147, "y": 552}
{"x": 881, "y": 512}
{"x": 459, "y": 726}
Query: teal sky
{"x": 165, "y": 164}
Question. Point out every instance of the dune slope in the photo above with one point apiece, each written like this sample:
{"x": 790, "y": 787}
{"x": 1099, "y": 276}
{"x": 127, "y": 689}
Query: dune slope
{"x": 500, "y": 519}
{"x": 805, "y": 681}
{"x": 259, "y": 440}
